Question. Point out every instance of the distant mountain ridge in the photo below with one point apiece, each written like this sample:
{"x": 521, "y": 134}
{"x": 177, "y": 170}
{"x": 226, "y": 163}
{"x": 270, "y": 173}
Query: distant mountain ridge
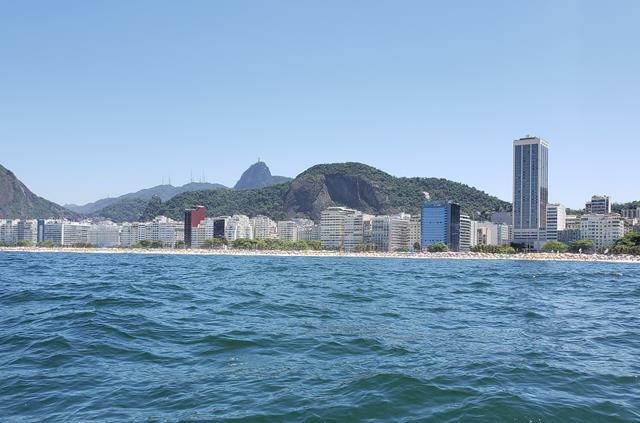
{"x": 259, "y": 176}
{"x": 18, "y": 202}
{"x": 353, "y": 185}
{"x": 128, "y": 206}
{"x": 165, "y": 192}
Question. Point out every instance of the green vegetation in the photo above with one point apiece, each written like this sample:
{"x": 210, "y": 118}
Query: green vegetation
{"x": 353, "y": 185}
{"x": 148, "y": 244}
{"x": 585, "y": 246}
{"x": 16, "y": 244}
{"x": 179, "y": 245}
{"x": 493, "y": 249}
{"x": 214, "y": 243}
{"x": 438, "y": 247}
{"x": 554, "y": 247}
{"x": 45, "y": 244}
{"x": 275, "y": 244}
{"x": 628, "y": 244}
{"x": 81, "y": 245}
{"x": 125, "y": 210}
{"x": 267, "y": 201}
{"x": 417, "y": 246}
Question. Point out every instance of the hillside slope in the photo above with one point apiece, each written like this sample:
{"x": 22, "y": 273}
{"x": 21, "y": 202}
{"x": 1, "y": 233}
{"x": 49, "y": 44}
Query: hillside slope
{"x": 353, "y": 185}
{"x": 18, "y": 202}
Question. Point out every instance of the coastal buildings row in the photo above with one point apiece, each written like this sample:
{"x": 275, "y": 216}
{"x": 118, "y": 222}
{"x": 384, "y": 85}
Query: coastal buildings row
{"x": 339, "y": 228}
{"x": 532, "y": 222}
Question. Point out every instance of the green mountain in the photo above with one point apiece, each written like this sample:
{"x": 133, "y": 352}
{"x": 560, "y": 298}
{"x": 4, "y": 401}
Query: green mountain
{"x": 165, "y": 192}
{"x": 353, "y": 185}
{"x": 17, "y": 202}
{"x": 123, "y": 210}
{"x": 259, "y": 176}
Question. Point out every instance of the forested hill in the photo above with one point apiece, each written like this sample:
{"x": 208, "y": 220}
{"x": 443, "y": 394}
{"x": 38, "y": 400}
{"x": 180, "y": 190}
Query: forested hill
{"x": 17, "y": 201}
{"x": 353, "y": 185}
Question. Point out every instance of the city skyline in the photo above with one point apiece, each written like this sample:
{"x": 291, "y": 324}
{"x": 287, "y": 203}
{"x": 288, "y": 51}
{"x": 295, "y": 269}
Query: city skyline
{"x": 99, "y": 101}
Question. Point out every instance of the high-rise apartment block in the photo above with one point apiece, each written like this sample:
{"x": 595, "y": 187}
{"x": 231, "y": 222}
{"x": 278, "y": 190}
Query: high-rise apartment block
{"x": 341, "y": 228}
{"x": 556, "y": 220}
{"x": 465, "y": 233}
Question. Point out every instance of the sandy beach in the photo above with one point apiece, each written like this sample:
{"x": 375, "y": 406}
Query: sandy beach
{"x": 323, "y": 253}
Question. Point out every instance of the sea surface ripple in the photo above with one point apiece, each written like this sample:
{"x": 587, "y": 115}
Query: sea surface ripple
{"x": 129, "y": 337}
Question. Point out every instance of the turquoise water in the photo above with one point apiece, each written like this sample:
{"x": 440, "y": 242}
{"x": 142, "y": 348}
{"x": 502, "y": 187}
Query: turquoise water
{"x": 123, "y": 337}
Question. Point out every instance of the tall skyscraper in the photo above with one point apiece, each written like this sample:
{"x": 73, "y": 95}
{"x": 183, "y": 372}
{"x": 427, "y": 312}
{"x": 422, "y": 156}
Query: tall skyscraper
{"x": 530, "y": 190}
{"x": 440, "y": 222}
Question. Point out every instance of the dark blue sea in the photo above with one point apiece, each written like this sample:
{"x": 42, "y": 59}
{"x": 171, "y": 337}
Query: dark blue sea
{"x": 124, "y": 337}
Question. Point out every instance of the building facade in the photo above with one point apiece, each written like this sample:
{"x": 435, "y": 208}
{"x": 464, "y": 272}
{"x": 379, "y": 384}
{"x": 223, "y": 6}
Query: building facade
{"x": 341, "y": 228}
{"x": 192, "y": 218}
{"x": 440, "y": 223}
{"x": 631, "y": 213}
{"x": 602, "y": 229}
{"x": 264, "y": 228}
{"x": 599, "y": 204}
{"x": 465, "y": 233}
{"x": 104, "y": 234}
{"x": 556, "y": 220}
{"x": 530, "y": 190}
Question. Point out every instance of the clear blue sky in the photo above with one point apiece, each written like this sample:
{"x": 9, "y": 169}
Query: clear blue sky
{"x": 101, "y": 98}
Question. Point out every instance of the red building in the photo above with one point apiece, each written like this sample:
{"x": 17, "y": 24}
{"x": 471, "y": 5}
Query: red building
{"x": 192, "y": 218}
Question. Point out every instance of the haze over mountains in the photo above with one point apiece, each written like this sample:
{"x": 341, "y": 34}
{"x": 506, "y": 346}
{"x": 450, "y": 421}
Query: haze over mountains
{"x": 354, "y": 185}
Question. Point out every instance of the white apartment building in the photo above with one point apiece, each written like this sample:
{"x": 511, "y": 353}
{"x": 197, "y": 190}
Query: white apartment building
{"x": 166, "y": 230}
{"x": 264, "y": 228}
{"x": 341, "y": 228}
{"x": 133, "y": 232}
{"x": 104, "y": 234}
{"x": 602, "y": 229}
{"x": 287, "y": 230}
{"x": 465, "y": 233}
{"x": 488, "y": 233}
{"x": 15, "y": 230}
{"x": 556, "y": 220}
{"x": 238, "y": 226}
{"x": 62, "y": 232}
{"x": 309, "y": 232}
{"x": 205, "y": 230}
{"x": 390, "y": 233}
{"x": 413, "y": 228}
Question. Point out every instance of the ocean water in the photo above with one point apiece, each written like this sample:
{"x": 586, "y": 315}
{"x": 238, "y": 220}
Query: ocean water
{"x": 126, "y": 337}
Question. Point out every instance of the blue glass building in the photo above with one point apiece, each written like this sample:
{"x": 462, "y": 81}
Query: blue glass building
{"x": 440, "y": 222}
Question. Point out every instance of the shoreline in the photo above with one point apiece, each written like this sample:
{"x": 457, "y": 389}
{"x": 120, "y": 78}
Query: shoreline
{"x": 322, "y": 253}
